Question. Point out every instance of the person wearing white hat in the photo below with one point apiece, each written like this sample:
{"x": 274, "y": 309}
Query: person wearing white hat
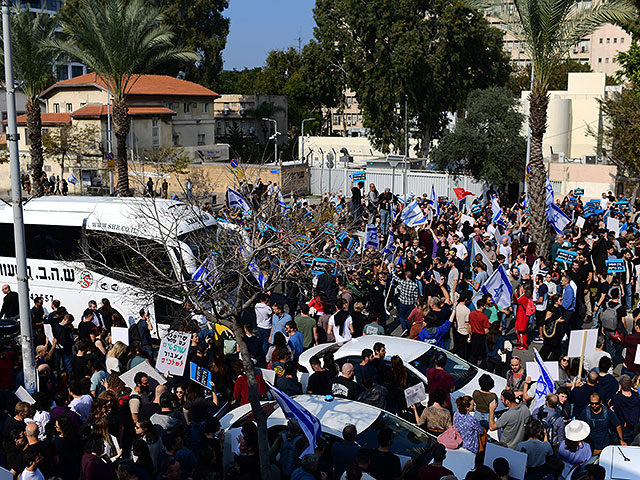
{"x": 573, "y": 449}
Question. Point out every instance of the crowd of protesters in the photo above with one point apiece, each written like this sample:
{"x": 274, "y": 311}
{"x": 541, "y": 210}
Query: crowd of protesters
{"x": 86, "y": 423}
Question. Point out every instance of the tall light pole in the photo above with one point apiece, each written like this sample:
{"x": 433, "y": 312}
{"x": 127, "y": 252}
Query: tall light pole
{"x": 16, "y": 199}
{"x": 109, "y": 147}
{"x": 275, "y": 138}
{"x": 302, "y": 136}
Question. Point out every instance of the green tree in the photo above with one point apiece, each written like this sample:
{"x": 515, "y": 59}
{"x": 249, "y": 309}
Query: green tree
{"x": 487, "y": 143}
{"x": 70, "y": 139}
{"x": 630, "y": 62}
{"x": 199, "y": 26}
{"x": 430, "y": 54}
{"x": 548, "y": 29}
{"x": 520, "y": 79}
{"x": 33, "y": 65}
{"x": 119, "y": 40}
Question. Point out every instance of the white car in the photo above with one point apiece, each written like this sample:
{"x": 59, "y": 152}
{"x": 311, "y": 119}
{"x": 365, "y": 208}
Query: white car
{"x": 417, "y": 357}
{"x": 409, "y": 440}
{"x": 620, "y": 463}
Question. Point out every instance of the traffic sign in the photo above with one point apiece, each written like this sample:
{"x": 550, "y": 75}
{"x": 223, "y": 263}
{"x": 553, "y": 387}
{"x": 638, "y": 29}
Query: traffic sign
{"x": 234, "y": 163}
{"x": 110, "y": 156}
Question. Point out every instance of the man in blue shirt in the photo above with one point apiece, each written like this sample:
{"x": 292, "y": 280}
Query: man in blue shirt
{"x": 568, "y": 303}
{"x": 278, "y": 321}
{"x": 296, "y": 339}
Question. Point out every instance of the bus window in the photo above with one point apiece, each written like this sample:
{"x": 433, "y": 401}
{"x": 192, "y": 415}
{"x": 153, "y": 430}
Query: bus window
{"x": 7, "y": 247}
{"x": 166, "y": 311}
{"x": 52, "y": 242}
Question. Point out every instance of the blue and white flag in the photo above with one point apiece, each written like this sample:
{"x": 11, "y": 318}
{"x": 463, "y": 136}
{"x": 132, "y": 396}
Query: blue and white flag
{"x": 499, "y": 287}
{"x": 496, "y": 211}
{"x": 434, "y": 202}
{"x": 545, "y": 384}
{"x": 557, "y": 218}
{"x": 257, "y": 273}
{"x": 283, "y": 204}
{"x": 291, "y": 409}
{"x": 175, "y": 197}
{"x": 550, "y": 195}
{"x": 371, "y": 236}
{"x": 73, "y": 180}
{"x": 236, "y": 200}
{"x": 412, "y": 215}
{"x": 388, "y": 248}
{"x": 475, "y": 250}
{"x": 206, "y": 274}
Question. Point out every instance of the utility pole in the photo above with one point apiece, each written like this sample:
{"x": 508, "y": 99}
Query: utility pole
{"x": 16, "y": 199}
{"x": 109, "y": 148}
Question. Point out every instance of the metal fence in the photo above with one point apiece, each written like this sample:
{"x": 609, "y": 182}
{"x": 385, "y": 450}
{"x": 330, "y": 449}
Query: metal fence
{"x": 324, "y": 180}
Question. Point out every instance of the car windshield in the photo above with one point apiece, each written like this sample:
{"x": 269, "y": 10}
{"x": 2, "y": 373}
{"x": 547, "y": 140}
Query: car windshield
{"x": 461, "y": 371}
{"x": 408, "y": 439}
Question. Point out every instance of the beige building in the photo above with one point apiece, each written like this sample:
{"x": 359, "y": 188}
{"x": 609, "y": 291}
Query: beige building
{"x": 346, "y": 120}
{"x": 246, "y": 112}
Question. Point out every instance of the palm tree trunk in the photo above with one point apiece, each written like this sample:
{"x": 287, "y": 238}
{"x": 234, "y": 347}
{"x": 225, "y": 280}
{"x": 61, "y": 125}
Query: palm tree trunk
{"x": 538, "y": 102}
{"x": 121, "y": 129}
{"x": 34, "y": 131}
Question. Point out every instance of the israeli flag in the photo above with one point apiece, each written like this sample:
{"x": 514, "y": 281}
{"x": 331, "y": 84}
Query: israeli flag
{"x": 550, "y": 195}
{"x": 545, "y": 384}
{"x": 499, "y": 287}
{"x": 291, "y": 409}
{"x": 412, "y": 215}
{"x": 557, "y": 218}
{"x": 496, "y": 211}
{"x": 388, "y": 248}
{"x": 371, "y": 237}
{"x": 475, "y": 250}
{"x": 236, "y": 200}
{"x": 73, "y": 180}
{"x": 206, "y": 274}
{"x": 434, "y": 202}
{"x": 257, "y": 273}
{"x": 283, "y": 205}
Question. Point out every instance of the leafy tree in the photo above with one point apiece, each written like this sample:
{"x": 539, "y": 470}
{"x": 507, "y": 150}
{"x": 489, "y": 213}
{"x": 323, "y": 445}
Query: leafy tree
{"x": 487, "y": 143}
{"x": 70, "y": 139}
{"x": 243, "y": 81}
{"x": 200, "y": 27}
{"x": 520, "y": 79}
{"x": 33, "y": 65}
{"x": 548, "y": 29}
{"x": 630, "y": 62}
{"x": 430, "y": 54}
{"x": 118, "y": 40}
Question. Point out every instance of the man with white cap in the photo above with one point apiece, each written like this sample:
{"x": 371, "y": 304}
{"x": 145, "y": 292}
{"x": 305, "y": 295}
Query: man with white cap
{"x": 573, "y": 449}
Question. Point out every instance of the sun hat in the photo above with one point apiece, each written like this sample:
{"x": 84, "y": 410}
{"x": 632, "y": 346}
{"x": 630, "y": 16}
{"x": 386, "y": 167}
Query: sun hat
{"x": 577, "y": 430}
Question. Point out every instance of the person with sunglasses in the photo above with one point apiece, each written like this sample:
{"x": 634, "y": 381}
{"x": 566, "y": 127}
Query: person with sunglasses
{"x": 600, "y": 419}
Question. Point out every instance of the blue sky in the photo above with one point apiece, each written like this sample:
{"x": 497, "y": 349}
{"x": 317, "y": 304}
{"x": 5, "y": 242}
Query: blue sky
{"x": 258, "y": 26}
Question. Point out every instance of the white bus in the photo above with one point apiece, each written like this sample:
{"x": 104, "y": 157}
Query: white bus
{"x": 55, "y": 228}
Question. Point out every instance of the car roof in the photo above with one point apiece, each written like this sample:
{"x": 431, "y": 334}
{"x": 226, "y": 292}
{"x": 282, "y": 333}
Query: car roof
{"x": 405, "y": 348}
{"x": 620, "y": 462}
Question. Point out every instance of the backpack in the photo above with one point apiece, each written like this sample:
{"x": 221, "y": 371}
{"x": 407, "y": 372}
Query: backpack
{"x": 450, "y": 438}
{"x": 134, "y": 334}
{"x": 288, "y": 454}
{"x": 529, "y": 307}
{"x": 547, "y": 423}
{"x": 609, "y": 319}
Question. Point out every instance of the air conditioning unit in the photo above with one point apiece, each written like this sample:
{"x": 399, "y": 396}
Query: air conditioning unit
{"x": 590, "y": 159}
{"x": 575, "y": 50}
{"x": 225, "y": 111}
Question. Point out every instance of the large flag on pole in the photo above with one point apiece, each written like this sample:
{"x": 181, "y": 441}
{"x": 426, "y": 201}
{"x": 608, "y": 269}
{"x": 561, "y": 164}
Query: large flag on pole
{"x": 257, "y": 273}
{"x": 496, "y": 211}
{"x": 557, "y": 218}
{"x": 206, "y": 274}
{"x": 499, "y": 287}
{"x": 371, "y": 238}
{"x": 549, "y": 192}
{"x": 388, "y": 248}
{"x": 475, "y": 250}
{"x": 434, "y": 202}
{"x": 462, "y": 193}
{"x": 283, "y": 204}
{"x": 236, "y": 200}
{"x": 73, "y": 180}
{"x": 412, "y": 215}
{"x": 309, "y": 423}
{"x": 545, "y": 384}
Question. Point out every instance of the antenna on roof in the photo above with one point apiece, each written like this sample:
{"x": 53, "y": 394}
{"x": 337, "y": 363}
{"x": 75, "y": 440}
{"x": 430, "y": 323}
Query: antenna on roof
{"x": 181, "y": 75}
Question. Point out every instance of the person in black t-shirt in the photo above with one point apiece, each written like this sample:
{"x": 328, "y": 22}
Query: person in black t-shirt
{"x": 384, "y": 464}
{"x": 10, "y": 303}
{"x": 356, "y": 199}
{"x": 343, "y": 386}
{"x": 320, "y": 380}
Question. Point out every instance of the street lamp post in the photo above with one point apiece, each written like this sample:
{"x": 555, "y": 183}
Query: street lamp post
{"x": 302, "y": 136}
{"x": 275, "y": 138}
{"x": 16, "y": 199}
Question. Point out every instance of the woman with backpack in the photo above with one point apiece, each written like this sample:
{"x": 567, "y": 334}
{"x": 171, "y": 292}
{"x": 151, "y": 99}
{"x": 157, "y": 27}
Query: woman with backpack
{"x": 526, "y": 308}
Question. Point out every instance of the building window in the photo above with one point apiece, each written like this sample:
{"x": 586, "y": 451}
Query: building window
{"x": 336, "y": 119}
{"x": 606, "y": 60}
{"x": 83, "y": 104}
{"x": 205, "y": 108}
{"x": 599, "y": 60}
{"x": 359, "y": 118}
{"x": 176, "y": 139}
{"x": 56, "y": 108}
{"x": 47, "y": 168}
{"x": 155, "y": 132}
{"x": 187, "y": 108}
{"x": 219, "y": 128}
{"x": 62, "y": 72}
{"x": 226, "y": 105}
{"x": 251, "y": 127}
{"x": 622, "y": 40}
{"x": 69, "y": 107}
{"x": 226, "y": 126}
{"x": 600, "y": 40}
{"x": 201, "y": 139}
{"x": 348, "y": 101}
{"x": 615, "y": 40}
{"x": 608, "y": 40}
{"x": 77, "y": 70}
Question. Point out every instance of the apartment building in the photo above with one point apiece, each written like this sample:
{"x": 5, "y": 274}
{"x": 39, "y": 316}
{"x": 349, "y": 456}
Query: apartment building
{"x": 346, "y": 120}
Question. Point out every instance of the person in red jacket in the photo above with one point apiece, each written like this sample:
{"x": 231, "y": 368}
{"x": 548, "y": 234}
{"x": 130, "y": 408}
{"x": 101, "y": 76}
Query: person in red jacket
{"x": 526, "y": 308}
{"x": 241, "y": 386}
{"x": 479, "y": 326}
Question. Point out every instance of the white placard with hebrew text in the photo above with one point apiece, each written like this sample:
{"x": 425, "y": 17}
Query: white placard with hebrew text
{"x": 415, "y": 394}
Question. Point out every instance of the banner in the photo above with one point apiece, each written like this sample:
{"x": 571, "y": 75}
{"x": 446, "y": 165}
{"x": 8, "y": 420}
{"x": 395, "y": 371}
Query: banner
{"x": 566, "y": 256}
{"x": 200, "y": 375}
{"x": 174, "y": 349}
{"x": 615, "y": 266}
{"x": 360, "y": 176}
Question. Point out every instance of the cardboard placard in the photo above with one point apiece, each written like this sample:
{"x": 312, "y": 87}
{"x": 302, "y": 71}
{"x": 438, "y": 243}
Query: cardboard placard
{"x": 613, "y": 225}
{"x": 24, "y": 396}
{"x": 578, "y": 191}
{"x": 517, "y": 460}
{"x": 580, "y": 222}
{"x": 200, "y": 375}
{"x": 533, "y": 370}
{"x": 575, "y": 342}
{"x": 120, "y": 334}
{"x": 268, "y": 375}
{"x": 324, "y": 265}
{"x": 566, "y": 256}
{"x": 48, "y": 332}
{"x": 128, "y": 376}
{"x": 174, "y": 348}
{"x": 615, "y": 266}
{"x": 415, "y": 394}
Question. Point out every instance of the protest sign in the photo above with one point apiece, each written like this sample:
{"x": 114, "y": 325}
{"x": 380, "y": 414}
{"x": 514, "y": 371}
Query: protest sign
{"x": 566, "y": 256}
{"x": 573, "y": 200}
{"x": 466, "y": 218}
{"x": 129, "y": 376}
{"x": 120, "y": 334}
{"x": 48, "y": 332}
{"x": 578, "y": 191}
{"x": 24, "y": 396}
{"x": 268, "y": 375}
{"x": 477, "y": 208}
{"x": 324, "y": 265}
{"x": 615, "y": 266}
{"x": 5, "y": 474}
{"x": 415, "y": 394}
{"x": 200, "y": 375}
{"x": 517, "y": 460}
{"x": 613, "y": 225}
{"x": 360, "y": 176}
{"x": 636, "y": 360}
{"x": 172, "y": 356}
{"x": 533, "y": 370}
{"x": 575, "y": 342}
{"x": 580, "y": 222}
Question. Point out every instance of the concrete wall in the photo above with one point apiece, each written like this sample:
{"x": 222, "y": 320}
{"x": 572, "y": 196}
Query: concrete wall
{"x": 595, "y": 179}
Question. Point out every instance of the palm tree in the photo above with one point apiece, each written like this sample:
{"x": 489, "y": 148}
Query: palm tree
{"x": 548, "y": 29}
{"x": 118, "y": 40}
{"x": 33, "y": 66}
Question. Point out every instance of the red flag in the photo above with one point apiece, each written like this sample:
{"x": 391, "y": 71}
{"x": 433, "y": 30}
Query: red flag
{"x": 461, "y": 193}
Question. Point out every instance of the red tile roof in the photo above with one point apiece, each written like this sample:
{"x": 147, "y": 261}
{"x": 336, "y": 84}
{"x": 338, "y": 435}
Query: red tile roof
{"x": 144, "y": 85}
{"x": 98, "y": 111}
{"x": 47, "y": 119}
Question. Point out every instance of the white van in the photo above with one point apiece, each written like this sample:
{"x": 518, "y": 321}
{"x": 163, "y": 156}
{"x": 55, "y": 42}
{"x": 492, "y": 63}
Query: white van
{"x": 55, "y": 228}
